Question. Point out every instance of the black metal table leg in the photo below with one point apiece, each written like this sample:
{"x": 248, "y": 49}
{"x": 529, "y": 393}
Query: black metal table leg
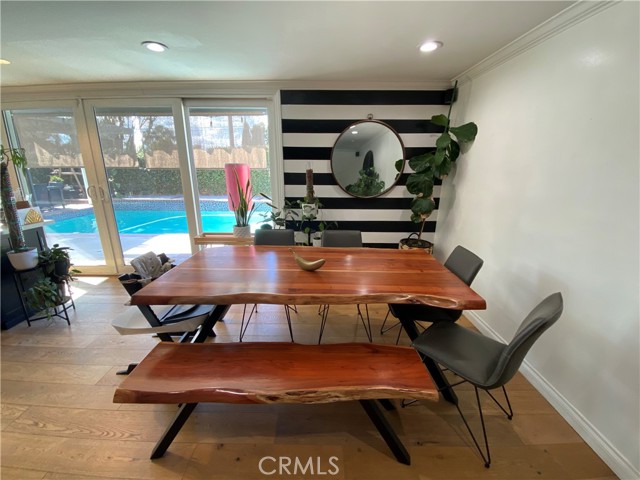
{"x": 207, "y": 326}
{"x": 386, "y": 403}
{"x": 434, "y": 370}
{"x": 172, "y": 430}
{"x": 386, "y": 430}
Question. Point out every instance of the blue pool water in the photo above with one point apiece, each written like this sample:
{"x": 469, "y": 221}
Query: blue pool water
{"x": 149, "y": 222}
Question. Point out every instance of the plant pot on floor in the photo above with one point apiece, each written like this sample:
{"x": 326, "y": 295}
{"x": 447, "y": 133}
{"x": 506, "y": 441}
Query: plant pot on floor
{"x": 410, "y": 243}
{"x": 24, "y": 260}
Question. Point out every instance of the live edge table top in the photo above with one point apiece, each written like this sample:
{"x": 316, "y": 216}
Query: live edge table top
{"x": 268, "y": 274}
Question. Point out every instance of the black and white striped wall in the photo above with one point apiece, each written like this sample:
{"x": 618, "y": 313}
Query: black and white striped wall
{"x": 312, "y": 120}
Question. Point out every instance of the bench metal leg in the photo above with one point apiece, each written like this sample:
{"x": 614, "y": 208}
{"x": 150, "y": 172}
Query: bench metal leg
{"x": 170, "y": 433}
{"x": 386, "y": 430}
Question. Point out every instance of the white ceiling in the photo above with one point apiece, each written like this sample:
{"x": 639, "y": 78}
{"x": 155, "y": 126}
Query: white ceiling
{"x": 57, "y": 42}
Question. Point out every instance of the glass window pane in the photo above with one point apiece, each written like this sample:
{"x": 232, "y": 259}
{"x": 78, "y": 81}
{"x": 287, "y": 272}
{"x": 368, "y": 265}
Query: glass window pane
{"x": 141, "y": 160}
{"x": 56, "y": 179}
{"x": 223, "y": 135}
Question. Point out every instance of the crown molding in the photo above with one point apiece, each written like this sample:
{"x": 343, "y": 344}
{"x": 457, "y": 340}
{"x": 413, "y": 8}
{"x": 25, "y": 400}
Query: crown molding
{"x": 196, "y": 89}
{"x": 572, "y": 15}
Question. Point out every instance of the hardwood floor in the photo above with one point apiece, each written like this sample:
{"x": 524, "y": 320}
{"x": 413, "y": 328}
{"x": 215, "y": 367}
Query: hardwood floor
{"x": 58, "y": 420}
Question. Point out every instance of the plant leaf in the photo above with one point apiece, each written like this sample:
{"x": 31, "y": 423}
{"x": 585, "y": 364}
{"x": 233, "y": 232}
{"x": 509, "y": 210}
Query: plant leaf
{"x": 420, "y": 184}
{"x": 443, "y": 141}
{"x": 454, "y": 150}
{"x": 465, "y": 133}
{"x": 438, "y": 157}
{"x": 441, "y": 120}
{"x": 399, "y": 165}
{"x": 423, "y": 206}
{"x": 421, "y": 163}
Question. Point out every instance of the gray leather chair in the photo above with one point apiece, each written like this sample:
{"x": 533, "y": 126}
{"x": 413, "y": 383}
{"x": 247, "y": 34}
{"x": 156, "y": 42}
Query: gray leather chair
{"x": 465, "y": 265}
{"x": 483, "y": 362}
{"x": 343, "y": 239}
{"x": 274, "y": 237}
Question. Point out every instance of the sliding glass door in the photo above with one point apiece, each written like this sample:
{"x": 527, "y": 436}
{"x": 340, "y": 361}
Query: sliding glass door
{"x": 57, "y": 182}
{"x": 118, "y": 178}
{"x": 141, "y": 163}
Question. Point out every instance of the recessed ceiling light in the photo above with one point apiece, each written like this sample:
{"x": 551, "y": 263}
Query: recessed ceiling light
{"x": 430, "y": 46}
{"x": 4, "y": 62}
{"x": 354, "y": 132}
{"x": 155, "y": 46}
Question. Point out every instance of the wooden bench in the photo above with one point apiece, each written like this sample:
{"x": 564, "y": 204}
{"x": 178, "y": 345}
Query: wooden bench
{"x": 277, "y": 372}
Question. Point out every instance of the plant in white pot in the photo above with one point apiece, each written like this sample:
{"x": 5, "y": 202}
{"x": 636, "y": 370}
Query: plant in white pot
{"x": 431, "y": 166}
{"x": 21, "y": 257}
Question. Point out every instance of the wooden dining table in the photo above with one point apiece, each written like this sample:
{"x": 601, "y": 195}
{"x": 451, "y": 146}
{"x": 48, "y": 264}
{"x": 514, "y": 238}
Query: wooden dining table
{"x": 270, "y": 275}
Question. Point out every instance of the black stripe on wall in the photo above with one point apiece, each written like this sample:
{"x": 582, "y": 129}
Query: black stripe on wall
{"x": 365, "y": 97}
{"x": 324, "y": 153}
{"x": 375, "y": 203}
{"x": 327, "y": 179}
{"x": 339, "y": 126}
{"x": 377, "y": 226}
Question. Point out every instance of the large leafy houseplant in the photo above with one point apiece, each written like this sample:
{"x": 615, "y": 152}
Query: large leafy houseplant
{"x": 434, "y": 165}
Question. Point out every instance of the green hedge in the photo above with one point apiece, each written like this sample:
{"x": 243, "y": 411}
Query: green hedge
{"x": 135, "y": 181}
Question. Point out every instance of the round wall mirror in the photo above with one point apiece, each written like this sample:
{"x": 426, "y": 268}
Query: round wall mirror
{"x": 364, "y": 156}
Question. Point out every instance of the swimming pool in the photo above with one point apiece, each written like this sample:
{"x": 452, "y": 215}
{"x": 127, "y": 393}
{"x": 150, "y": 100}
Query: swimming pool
{"x": 152, "y": 222}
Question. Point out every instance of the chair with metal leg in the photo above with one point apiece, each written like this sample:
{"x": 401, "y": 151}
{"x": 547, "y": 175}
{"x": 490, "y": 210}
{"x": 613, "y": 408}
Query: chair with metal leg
{"x": 343, "y": 239}
{"x": 483, "y": 362}
{"x": 274, "y": 237}
{"x": 191, "y": 323}
{"x": 465, "y": 265}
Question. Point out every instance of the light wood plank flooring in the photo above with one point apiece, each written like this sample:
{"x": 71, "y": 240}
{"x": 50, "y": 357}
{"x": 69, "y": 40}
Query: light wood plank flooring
{"x": 58, "y": 420}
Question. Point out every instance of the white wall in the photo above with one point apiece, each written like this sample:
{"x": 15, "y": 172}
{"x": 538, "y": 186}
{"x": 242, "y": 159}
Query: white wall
{"x": 548, "y": 197}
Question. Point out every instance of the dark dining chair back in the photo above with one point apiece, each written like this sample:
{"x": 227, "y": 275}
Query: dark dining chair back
{"x": 464, "y": 264}
{"x": 483, "y": 362}
{"x": 342, "y": 238}
{"x": 461, "y": 262}
{"x": 273, "y": 237}
{"x": 535, "y": 324}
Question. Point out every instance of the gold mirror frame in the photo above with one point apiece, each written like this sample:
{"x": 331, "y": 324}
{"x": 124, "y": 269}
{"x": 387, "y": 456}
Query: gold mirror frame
{"x": 363, "y": 163}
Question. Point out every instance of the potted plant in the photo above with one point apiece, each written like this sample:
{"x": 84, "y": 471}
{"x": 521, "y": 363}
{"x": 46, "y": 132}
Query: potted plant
{"x": 278, "y": 216}
{"x": 22, "y": 257}
{"x": 56, "y": 264}
{"x": 243, "y": 209}
{"x": 431, "y": 166}
{"x": 44, "y": 295}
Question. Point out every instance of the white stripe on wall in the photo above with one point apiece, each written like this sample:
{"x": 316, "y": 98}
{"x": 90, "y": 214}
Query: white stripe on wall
{"x": 329, "y": 139}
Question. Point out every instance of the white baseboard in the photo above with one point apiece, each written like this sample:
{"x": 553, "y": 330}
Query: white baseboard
{"x": 620, "y": 465}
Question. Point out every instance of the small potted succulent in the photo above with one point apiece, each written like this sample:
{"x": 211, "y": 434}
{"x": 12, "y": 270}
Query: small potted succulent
{"x": 22, "y": 257}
